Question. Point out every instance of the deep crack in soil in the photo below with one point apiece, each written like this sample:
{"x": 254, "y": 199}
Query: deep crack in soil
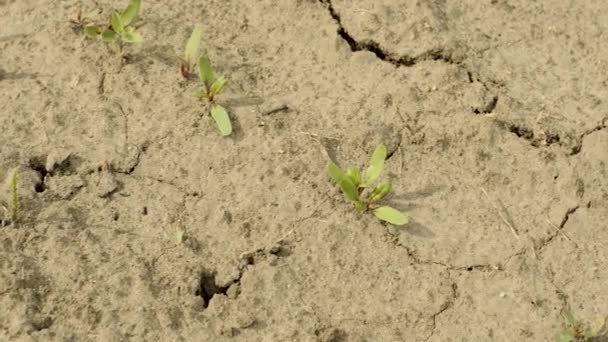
{"x": 439, "y": 54}
{"x": 208, "y": 288}
{"x": 380, "y": 52}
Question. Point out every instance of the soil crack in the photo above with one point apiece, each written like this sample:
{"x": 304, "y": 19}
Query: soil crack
{"x": 579, "y": 145}
{"x": 545, "y": 138}
{"x": 559, "y": 229}
{"x": 101, "y": 87}
{"x": 437, "y": 54}
{"x": 536, "y": 139}
{"x": 448, "y": 304}
{"x": 448, "y": 267}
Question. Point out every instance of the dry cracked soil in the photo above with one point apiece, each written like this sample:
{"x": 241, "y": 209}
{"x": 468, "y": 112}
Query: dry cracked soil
{"x": 495, "y": 118}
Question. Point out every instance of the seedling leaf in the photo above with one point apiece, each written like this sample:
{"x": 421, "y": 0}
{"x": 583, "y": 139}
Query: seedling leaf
{"x": 391, "y": 215}
{"x": 117, "y": 24}
{"x": 205, "y": 72}
{"x": 222, "y": 119}
{"x": 380, "y": 192}
{"x": 92, "y": 31}
{"x": 13, "y": 187}
{"x": 354, "y": 174}
{"x": 201, "y": 92}
{"x": 132, "y": 37}
{"x": 180, "y": 234}
{"x": 130, "y": 12}
{"x": 376, "y": 164}
{"x": 193, "y": 43}
{"x": 568, "y": 316}
{"x": 566, "y": 337}
{"x": 217, "y": 86}
{"x": 349, "y": 189}
{"x": 344, "y": 182}
{"x": 603, "y": 330}
{"x": 335, "y": 172}
{"x": 108, "y": 36}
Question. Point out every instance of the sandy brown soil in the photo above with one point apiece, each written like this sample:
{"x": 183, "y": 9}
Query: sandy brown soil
{"x": 494, "y": 113}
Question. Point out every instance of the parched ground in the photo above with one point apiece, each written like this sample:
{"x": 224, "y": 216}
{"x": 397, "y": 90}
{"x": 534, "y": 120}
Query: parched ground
{"x": 494, "y": 113}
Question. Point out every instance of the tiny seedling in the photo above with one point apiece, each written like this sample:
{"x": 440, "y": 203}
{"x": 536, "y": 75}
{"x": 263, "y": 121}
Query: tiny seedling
{"x": 119, "y": 30}
{"x": 362, "y": 191}
{"x": 191, "y": 51}
{"x": 210, "y": 89}
{"x": 180, "y": 234}
{"x": 577, "y": 331}
{"x": 14, "y": 206}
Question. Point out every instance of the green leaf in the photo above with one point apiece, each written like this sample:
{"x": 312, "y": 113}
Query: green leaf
{"x": 344, "y": 182}
{"x": 359, "y": 206}
{"x": 349, "y": 189}
{"x": 217, "y": 86}
{"x": 376, "y": 164}
{"x": 92, "y": 31}
{"x": 130, "y": 12}
{"x": 603, "y": 330}
{"x": 116, "y": 22}
{"x": 568, "y": 316}
{"x": 565, "y": 337}
{"x": 201, "y": 92}
{"x": 193, "y": 43}
{"x": 354, "y": 174}
{"x": 108, "y": 36}
{"x": 222, "y": 119}
{"x": 132, "y": 37}
{"x": 205, "y": 72}
{"x": 335, "y": 172}
{"x": 391, "y": 215}
{"x": 13, "y": 187}
{"x": 589, "y": 333}
{"x": 380, "y": 192}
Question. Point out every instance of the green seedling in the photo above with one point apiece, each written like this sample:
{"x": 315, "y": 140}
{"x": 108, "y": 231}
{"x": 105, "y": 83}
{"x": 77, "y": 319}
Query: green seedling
{"x": 119, "y": 30}
{"x": 191, "y": 51}
{"x": 14, "y": 207}
{"x": 210, "y": 89}
{"x": 362, "y": 190}
{"x": 180, "y": 234}
{"x": 577, "y": 331}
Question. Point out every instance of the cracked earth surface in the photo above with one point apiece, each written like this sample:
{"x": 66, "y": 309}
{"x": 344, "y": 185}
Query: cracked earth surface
{"x": 493, "y": 113}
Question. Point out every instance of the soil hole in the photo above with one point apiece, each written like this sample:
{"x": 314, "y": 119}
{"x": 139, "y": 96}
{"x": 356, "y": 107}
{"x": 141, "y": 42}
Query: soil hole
{"x": 37, "y": 165}
{"x": 280, "y": 250}
{"x": 41, "y": 323}
{"x": 521, "y": 132}
{"x": 207, "y": 288}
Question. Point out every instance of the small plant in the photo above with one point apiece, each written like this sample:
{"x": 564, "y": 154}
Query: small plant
{"x": 180, "y": 234}
{"x": 210, "y": 89}
{"x": 191, "y": 51}
{"x": 362, "y": 191}
{"x": 119, "y": 30}
{"x": 577, "y": 331}
{"x": 14, "y": 206}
